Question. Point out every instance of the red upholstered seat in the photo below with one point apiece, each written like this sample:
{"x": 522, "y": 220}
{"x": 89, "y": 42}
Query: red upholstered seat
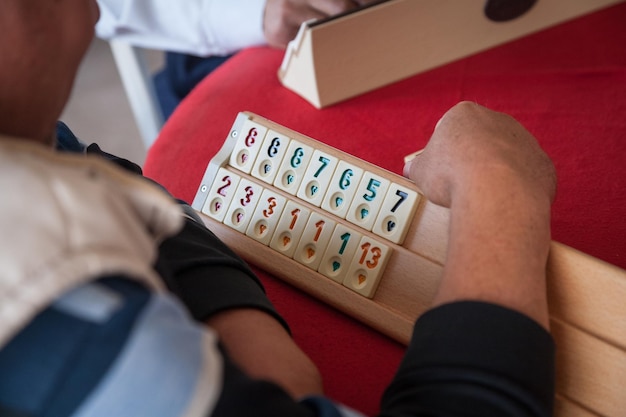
{"x": 566, "y": 84}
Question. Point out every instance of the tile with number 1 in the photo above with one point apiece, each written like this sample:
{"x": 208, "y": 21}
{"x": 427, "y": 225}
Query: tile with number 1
{"x": 315, "y": 238}
{"x": 289, "y": 228}
{"x": 339, "y": 252}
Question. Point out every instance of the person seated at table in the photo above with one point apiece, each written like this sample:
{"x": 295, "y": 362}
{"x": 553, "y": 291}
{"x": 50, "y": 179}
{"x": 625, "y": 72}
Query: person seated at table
{"x": 88, "y": 251}
{"x": 200, "y": 35}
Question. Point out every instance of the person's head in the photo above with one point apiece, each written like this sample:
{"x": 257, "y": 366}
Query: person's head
{"x": 41, "y": 47}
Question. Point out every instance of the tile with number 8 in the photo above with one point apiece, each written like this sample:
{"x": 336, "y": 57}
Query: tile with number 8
{"x": 248, "y": 144}
{"x": 270, "y": 157}
{"x": 293, "y": 167}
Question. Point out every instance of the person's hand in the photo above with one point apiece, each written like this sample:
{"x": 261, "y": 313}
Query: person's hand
{"x": 474, "y": 149}
{"x": 499, "y": 186}
{"x": 282, "y": 18}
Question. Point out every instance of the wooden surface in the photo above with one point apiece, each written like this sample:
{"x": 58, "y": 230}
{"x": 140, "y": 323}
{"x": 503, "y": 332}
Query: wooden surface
{"x": 379, "y": 45}
{"x": 585, "y": 294}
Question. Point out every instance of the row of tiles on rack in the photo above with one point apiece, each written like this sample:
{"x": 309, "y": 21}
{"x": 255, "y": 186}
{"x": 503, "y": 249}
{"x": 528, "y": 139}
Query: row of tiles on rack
{"x": 310, "y": 237}
{"x": 346, "y": 190}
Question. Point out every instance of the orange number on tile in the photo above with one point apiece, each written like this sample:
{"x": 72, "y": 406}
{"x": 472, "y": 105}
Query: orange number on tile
{"x": 320, "y": 227}
{"x": 294, "y": 214}
{"x": 376, "y": 254}
{"x": 270, "y": 208}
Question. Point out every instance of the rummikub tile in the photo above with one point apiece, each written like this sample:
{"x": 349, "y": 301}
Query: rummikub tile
{"x": 317, "y": 177}
{"x": 243, "y": 204}
{"x": 221, "y": 194}
{"x": 270, "y": 157}
{"x": 289, "y": 228}
{"x": 368, "y": 200}
{"x": 266, "y": 216}
{"x": 343, "y": 186}
{"x": 339, "y": 252}
{"x": 293, "y": 167}
{"x": 397, "y": 210}
{"x": 367, "y": 267}
{"x": 314, "y": 240}
{"x": 251, "y": 136}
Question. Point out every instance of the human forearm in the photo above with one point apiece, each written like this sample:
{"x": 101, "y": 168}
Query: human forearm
{"x": 219, "y": 289}
{"x": 499, "y": 228}
{"x": 499, "y": 186}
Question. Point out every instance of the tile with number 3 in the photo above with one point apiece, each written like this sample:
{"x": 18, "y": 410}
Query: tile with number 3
{"x": 242, "y": 207}
{"x": 266, "y": 216}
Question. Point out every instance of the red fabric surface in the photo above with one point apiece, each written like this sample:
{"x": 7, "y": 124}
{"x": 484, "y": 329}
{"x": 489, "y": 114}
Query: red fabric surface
{"x": 566, "y": 84}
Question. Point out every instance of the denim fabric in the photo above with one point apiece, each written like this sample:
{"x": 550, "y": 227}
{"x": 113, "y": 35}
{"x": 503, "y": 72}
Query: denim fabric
{"x": 157, "y": 371}
{"x": 180, "y": 75}
{"x": 50, "y": 367}
{"x": 67, "y": 141}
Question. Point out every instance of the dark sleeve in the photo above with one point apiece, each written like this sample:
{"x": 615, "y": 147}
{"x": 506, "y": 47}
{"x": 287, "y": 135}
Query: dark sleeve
{"x": 243, "y": 396}
{"x": 208, "y": 276}
{"x": 474, "y": 359}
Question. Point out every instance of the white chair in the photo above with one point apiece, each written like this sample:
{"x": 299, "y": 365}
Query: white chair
{"x": 133, "y": 68}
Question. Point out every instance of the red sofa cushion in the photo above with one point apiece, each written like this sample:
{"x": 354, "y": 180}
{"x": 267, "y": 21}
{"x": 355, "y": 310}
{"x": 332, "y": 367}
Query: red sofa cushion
{"x": 566, "y": 84}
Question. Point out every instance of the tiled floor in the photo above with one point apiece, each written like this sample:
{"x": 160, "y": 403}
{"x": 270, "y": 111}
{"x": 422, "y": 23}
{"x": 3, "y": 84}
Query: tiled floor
{"x": 98, "y": 110}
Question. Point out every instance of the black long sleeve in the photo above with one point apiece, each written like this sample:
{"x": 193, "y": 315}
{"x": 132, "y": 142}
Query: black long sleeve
{"x": 208, "y": 276}
{"x": 474, "y": 359}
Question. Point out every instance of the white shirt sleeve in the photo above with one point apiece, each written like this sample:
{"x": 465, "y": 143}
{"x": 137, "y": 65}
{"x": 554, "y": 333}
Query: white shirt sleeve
{"x": 198, "y": 27}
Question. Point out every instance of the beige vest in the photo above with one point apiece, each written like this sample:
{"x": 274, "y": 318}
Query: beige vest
{"x": 66, "y": 219}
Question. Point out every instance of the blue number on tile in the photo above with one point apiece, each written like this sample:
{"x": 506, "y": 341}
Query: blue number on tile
{"x": 296, "y": 159}
{"x": 325, "y": 161}
{"x": 344, "y": 181}
{"x": 371, "y": 187}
